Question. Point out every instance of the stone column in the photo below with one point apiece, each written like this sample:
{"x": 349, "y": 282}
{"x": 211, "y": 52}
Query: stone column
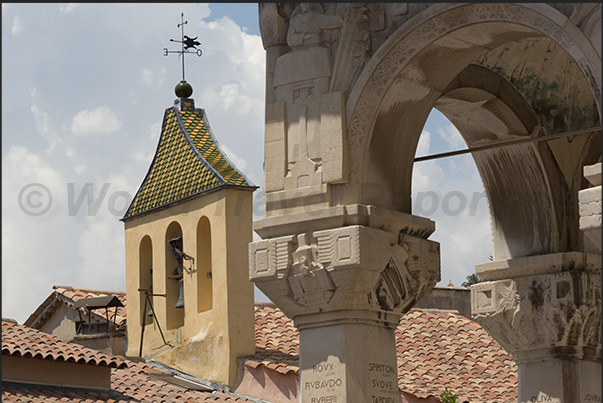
{"x": 546, "y": 311}
{"x": 346, "y": 289}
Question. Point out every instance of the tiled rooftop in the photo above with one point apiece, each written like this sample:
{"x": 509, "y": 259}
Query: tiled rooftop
{"x": 188, "y": 161}
{"x": 22, "y": 341}
{"x": 276, "y": 340}
{"x": 70, "y": 295}
{"x": 436, "y": 349}
{"x": 130, "y": 380}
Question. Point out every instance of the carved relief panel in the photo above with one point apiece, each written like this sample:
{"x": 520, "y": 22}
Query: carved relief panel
{"x": 325, "y": 48}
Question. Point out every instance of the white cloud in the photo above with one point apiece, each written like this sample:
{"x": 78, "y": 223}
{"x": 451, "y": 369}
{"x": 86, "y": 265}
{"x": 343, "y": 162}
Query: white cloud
{"x": 101, "y": 251}
{"x": 21, "y": 167}
{"x": 101, "y": 244}
{"x": 79, "y": 166}
{"x": 96, "y": 121}
{"x": 242, "y": 53}
{"x": 147, "y": 76}
{"x": 254, "y": 50}
{"x": 80, "y": 169}
{"x": 232, "y": 97}
{"x": 68, "y": 7}
{"x": 239, "y": 162}
{"x": 424, "y": 143}
{"x": 17, "y": 27}
{"x": 153, "y": 79}
{"x": 426, "y": 175}
{"x": 147, "y": 148}
{"x": 250, "y": 52}
{"x": 451, "y": 135}
{"x": 43, "y": 123}
{"x": 30, "y": 262}
{"x": 63, "y": 245}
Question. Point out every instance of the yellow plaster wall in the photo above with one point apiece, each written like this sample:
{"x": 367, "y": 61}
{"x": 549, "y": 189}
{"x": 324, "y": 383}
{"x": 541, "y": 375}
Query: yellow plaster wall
{"x": 208, "y": 344}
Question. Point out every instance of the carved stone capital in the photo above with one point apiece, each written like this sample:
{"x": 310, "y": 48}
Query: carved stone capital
{"x": 353, "y": 267}
{"x": 558, "y": 311}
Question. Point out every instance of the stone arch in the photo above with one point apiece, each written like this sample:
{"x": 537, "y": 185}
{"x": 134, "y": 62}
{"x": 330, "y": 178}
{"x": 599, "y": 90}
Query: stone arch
{"x": 174, "y": 316}
{"x": 429, "y": 56}
{"x": 412, "y": 71}
{"x": 145, "y": 275}
{"x": 204, "y": 265}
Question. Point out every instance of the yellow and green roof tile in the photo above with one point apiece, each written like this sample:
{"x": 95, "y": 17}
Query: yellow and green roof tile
{"x": 188, "y": 161}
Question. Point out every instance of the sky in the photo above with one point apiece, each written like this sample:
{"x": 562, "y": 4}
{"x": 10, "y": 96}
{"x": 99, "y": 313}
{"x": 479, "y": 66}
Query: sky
{"x": 84, "y": 89}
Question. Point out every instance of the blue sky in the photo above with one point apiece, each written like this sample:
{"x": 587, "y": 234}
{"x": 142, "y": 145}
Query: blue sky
{"x": 84, "y": 89}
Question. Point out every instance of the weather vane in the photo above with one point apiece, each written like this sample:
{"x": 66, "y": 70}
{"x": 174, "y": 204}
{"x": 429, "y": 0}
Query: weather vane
{"x": 187, "y": 44}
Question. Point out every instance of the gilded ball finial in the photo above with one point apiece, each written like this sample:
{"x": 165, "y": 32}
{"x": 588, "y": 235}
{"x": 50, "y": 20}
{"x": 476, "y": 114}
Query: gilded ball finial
{"x": 183, "y": 89}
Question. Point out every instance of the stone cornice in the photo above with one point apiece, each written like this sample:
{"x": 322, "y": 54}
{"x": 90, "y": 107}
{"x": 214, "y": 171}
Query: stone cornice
{"x": 541, "y": 264}
{"x": 339, "y": 216}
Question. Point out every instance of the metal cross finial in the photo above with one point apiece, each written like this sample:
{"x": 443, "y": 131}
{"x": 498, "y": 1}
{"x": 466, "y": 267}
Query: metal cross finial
{"x": 187, "y": 43}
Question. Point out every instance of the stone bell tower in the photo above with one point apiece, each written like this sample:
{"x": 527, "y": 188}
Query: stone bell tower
{"x": 190, "y": 301}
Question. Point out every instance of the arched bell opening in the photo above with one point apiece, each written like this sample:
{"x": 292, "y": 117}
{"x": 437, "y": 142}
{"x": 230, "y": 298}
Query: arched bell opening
{"x": 204, "y": 266}
{"x": 145, "y": 277}
{"x": 173, "y": 278}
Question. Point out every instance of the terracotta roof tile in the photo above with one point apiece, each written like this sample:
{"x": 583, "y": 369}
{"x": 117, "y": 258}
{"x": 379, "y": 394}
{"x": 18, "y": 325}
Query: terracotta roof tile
{"x": 129, "y": 379}
{"x": 276, "y": 340}
{"x": 22, "y": 341}
{"x": 435, "y": 348}
{"x": 70, "y": 295}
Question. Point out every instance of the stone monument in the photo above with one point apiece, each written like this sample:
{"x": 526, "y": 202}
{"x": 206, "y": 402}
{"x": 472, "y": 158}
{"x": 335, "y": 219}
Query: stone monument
{"x": 349, "y": 87}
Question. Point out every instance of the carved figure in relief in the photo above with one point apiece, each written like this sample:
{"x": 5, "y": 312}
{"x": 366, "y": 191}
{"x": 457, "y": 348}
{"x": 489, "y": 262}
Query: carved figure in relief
{"x": 513, "y": 307}
{"x": 507, "y": 300}
{"x": 362, "y": 34}
{"x": 310, "y": 282}
{"x": 310, "y": 26}
{"x": 394, "y": 284}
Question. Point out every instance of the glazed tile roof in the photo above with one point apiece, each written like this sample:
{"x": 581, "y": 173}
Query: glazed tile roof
{"x": 188, "y": 161}
{"x": 435, "y": 348}
{"x": 70, "y": 295}
{"x": 130, "y": 380}
{"x": 22, "y": 341}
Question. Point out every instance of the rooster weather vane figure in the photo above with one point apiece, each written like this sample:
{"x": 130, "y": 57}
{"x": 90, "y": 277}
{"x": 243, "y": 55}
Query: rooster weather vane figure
{"x": 187, "y": 44}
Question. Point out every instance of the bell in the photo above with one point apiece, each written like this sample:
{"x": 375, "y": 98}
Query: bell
{"x": 180, "y": 302}
{"x": 150, "y": 312}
